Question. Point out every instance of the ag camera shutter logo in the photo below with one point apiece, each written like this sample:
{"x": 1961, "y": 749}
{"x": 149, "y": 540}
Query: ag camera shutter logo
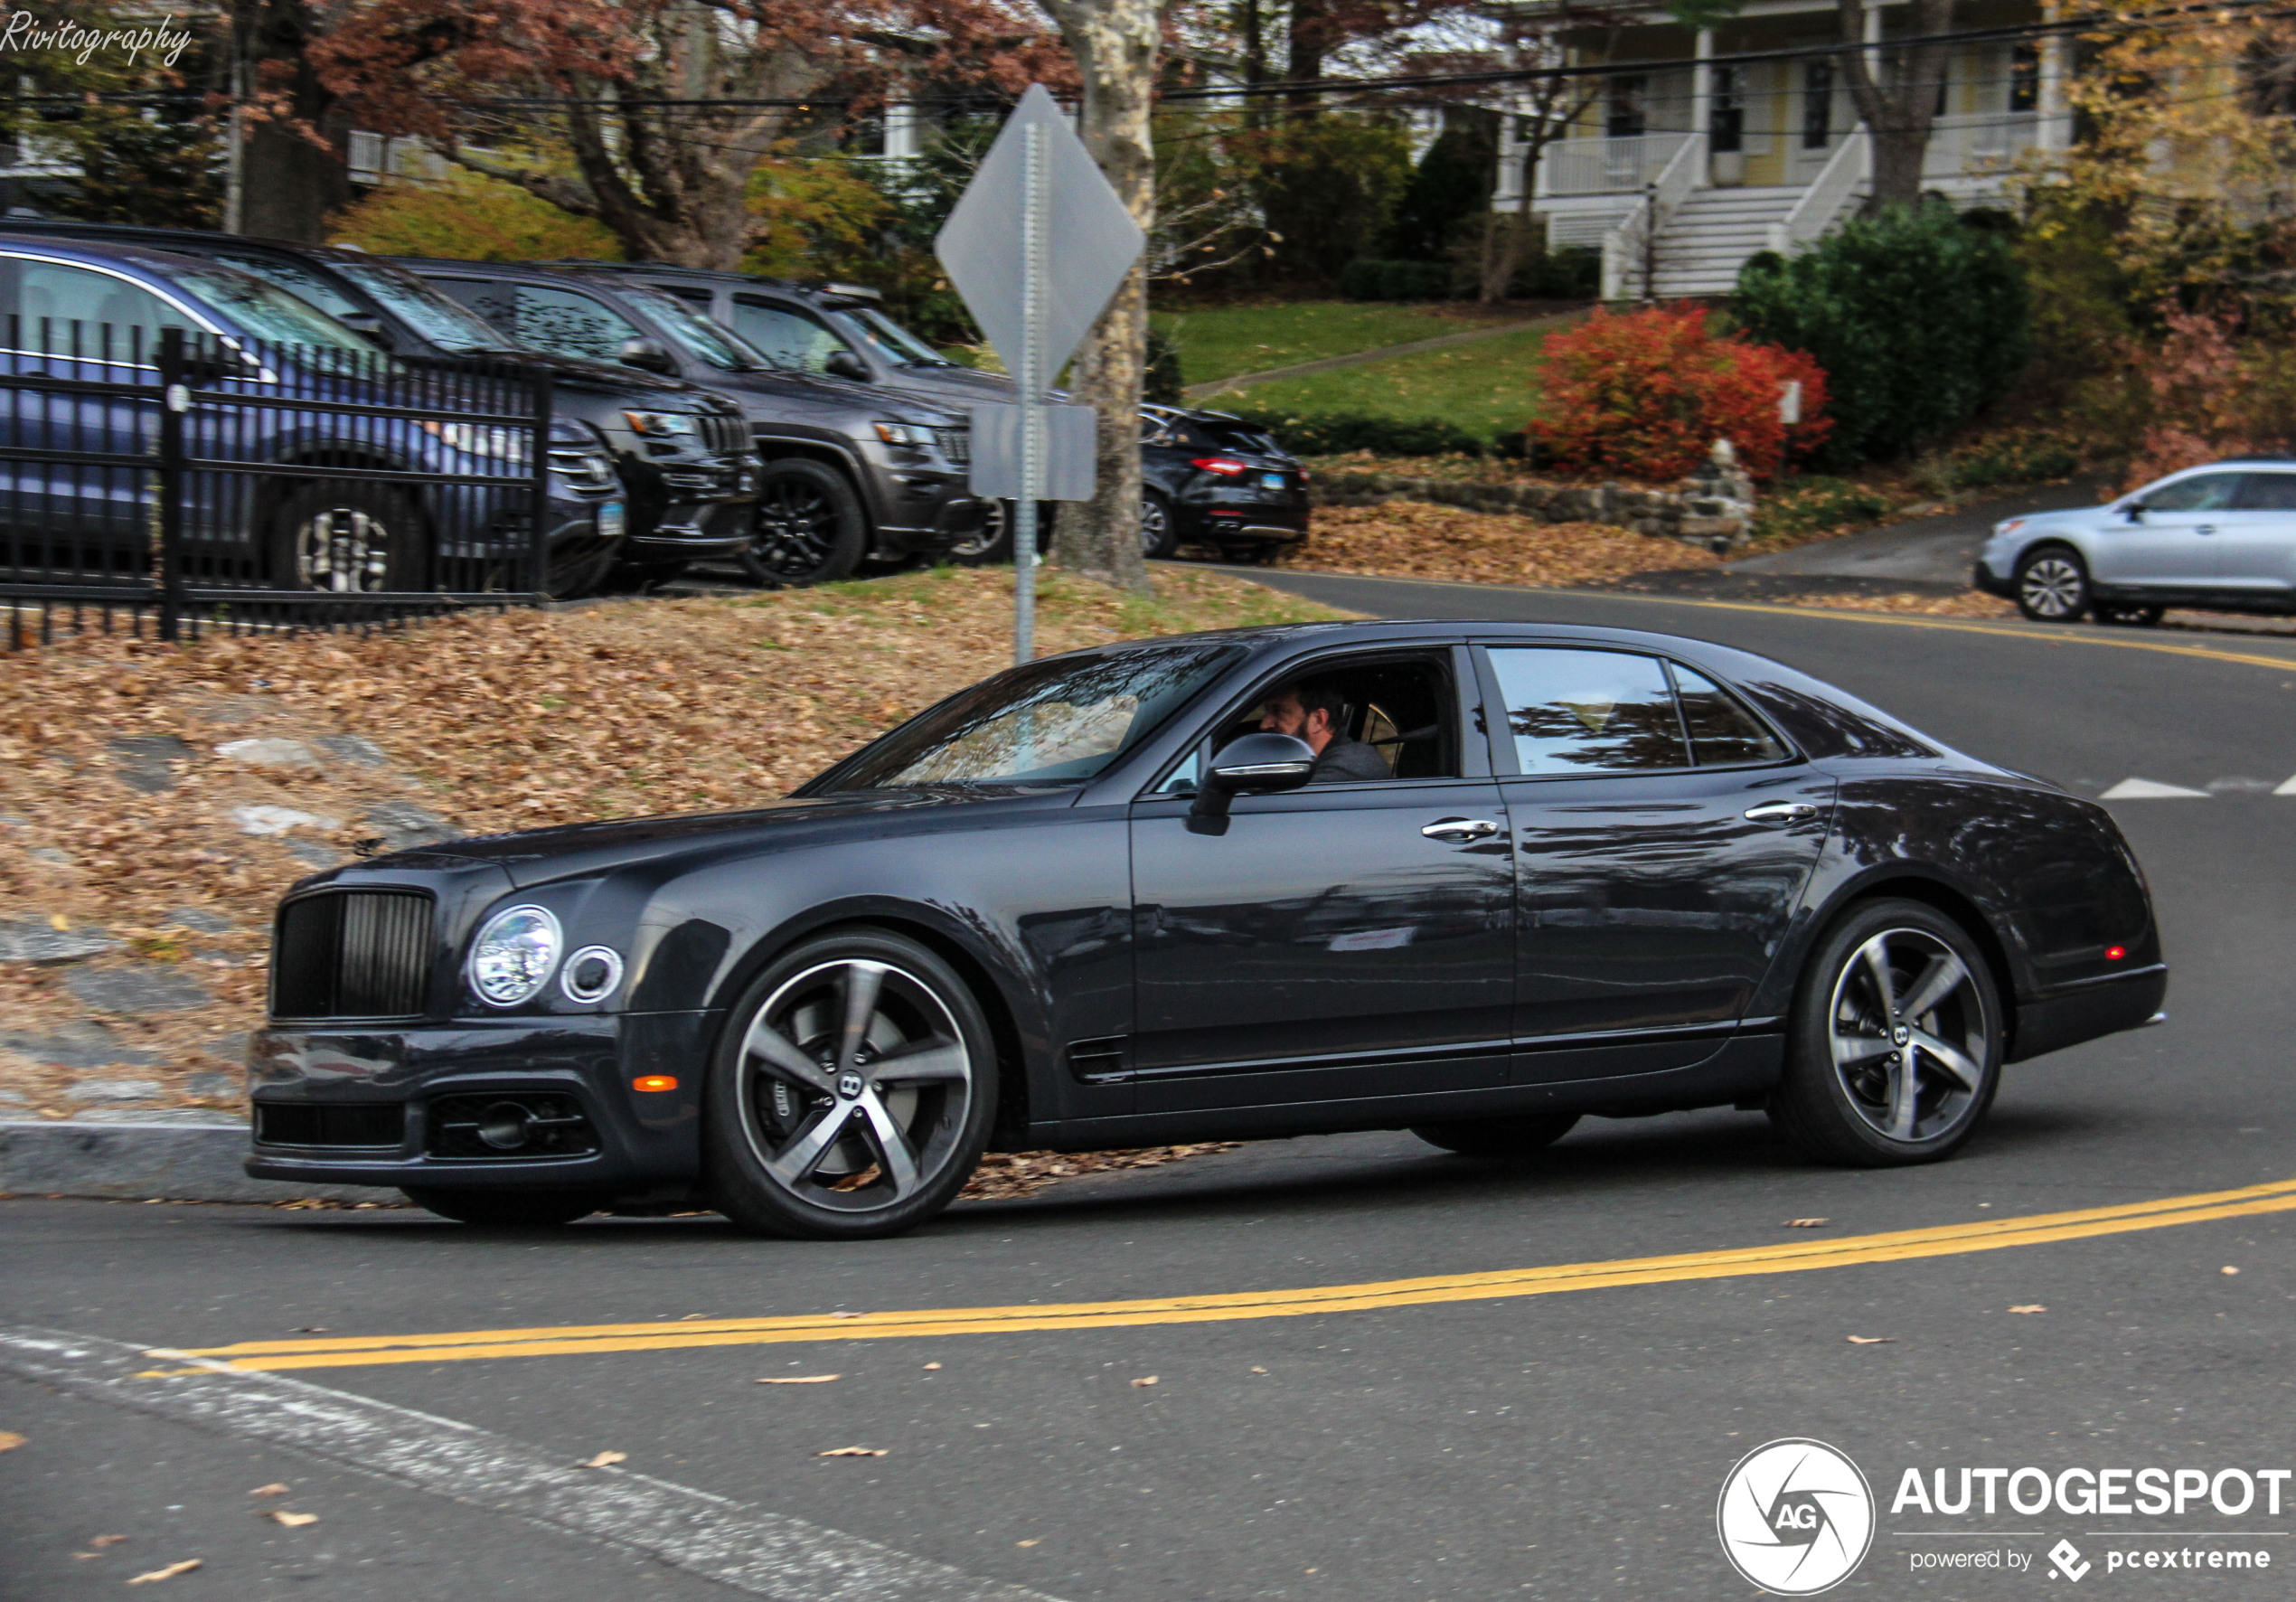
{"x": 1796, "y": 1517}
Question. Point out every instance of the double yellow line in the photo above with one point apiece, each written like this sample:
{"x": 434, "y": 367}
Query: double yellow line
{"x": 1781, "y": 1257}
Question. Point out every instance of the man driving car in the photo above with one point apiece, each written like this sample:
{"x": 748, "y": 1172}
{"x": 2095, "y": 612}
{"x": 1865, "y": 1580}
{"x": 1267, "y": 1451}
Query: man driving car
{"x": 1316, "y": 711}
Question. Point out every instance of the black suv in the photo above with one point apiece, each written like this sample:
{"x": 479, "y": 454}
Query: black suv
{"x": 677, "y": 447}
{"x": 1208, "y": 479}
{"x": 847, "y": 472}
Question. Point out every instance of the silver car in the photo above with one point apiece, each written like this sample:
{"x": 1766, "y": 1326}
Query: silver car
{"x": 2222, "y": 536}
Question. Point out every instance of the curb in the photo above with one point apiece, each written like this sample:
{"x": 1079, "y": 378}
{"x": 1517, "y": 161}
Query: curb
{"x": 144, "y": 1162}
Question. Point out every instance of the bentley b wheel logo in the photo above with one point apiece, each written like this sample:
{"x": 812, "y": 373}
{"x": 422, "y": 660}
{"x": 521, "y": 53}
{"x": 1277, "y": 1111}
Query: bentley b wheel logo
{"x": 1796, "y": 1517}
{"x": 849, "y": 1085}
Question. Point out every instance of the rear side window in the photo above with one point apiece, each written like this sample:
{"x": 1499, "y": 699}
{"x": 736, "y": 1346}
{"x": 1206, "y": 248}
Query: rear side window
{"x": 1241, "y": 436}
{"x": 2268, "y": 492}
{"x": 65, "y": 310}
{"x": 791, "y": 338}
{"x": 546, "y": 318}
{"x": 292, "y": 277}
{"x": 1723, "y": 734}
{"x": 2209, "y": 492}
{"x": 1589, "y": 711}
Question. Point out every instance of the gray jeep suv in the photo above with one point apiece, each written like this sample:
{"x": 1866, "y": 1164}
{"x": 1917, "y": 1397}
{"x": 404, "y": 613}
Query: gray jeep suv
{"x": 849, "y": 472}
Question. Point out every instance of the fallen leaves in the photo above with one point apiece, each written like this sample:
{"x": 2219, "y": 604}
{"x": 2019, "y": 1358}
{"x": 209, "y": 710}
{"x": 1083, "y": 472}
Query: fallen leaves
{"x": 107, "y": 1541}
{"x": 798, "y": 1380}
{"x": 931, "y": 1366}
{"x": 603, "y": 1460}
{"x": 2030, "y": 1307}
{"x": 170, "y": 1572}
{"x": 1971, "y": 603}
{"x": 1807, "y": 1223}
{"x": 279, "y": 1515}
{"x": 1006, "y": 1175}
{"x": 2228, "y": 1269}
{"x": 1144, "y": 1382}
{"x": 9, "y": 1440}
{"x": 1029, "y": 1542}
{"x": 276, "y": 1488}
{"x": 1873, "y": 1339}
{"x": 852, "y": 1452}
{"x": 1417, "y": 540}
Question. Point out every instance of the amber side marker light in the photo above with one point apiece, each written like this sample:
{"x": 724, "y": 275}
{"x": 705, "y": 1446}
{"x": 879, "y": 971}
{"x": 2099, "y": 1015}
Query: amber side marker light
{"x": 654, "y": 1081}
{"x": 2111, "y": 954}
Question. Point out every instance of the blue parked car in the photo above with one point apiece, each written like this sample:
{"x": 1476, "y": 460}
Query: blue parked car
{"x": 434, "y": 483}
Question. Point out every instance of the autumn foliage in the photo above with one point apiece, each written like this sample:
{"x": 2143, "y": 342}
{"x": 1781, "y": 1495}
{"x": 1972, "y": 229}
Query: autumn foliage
{"x": 1645, "y": 395}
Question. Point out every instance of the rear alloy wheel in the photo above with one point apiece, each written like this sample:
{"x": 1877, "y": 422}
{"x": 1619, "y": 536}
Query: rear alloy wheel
{"x": 1498, "y": 1137}
{"x": 810, "y": 528}
{"x": 347, "y": 539}
{"x": 1158, "y": 535}
{"x": 852, "y": 1094}
{"x": 1894, "y": 1049}
{"x": 2052, "y": 586}
{"x": 2126, "y": 615}
{"x": 512, "y": 1209}
{"x": 991, "y": 543}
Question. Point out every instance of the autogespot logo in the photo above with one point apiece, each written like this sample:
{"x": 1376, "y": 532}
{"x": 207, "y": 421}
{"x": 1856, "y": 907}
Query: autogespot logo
{"x": 1796, "y": 1517}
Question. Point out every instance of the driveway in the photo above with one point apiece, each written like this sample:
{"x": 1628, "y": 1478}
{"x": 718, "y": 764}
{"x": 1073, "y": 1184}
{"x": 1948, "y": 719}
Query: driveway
{"x": 1940, "y": 550}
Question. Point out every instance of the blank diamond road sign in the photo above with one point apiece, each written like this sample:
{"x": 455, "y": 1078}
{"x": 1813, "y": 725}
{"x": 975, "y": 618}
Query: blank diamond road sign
{"x": 1094, "y": 241}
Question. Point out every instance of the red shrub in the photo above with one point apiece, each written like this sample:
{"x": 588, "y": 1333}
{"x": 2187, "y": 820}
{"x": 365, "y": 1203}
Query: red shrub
{"x": 1646, "y": 395}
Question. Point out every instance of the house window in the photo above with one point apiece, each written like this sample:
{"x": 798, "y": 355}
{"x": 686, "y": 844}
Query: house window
{"x": 2025, "y": 77}
{"x": 1626, "y": 117}
{"x": 1817, "y": 105}
{"x": 1944, "y": 83}
{"x": 1725, "y": 120}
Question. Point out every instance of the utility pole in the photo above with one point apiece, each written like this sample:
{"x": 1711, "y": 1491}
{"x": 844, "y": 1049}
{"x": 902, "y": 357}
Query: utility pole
{"x": 235, "y": 152}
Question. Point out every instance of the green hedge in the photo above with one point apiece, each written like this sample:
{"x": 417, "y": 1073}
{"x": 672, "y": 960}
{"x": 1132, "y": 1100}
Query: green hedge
{"x": 1335, "y": 433}
{"x": 1366, "y": 278}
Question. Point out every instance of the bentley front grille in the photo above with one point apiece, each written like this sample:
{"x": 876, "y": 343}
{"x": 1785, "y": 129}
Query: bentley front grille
{"x": 353, "y": 954}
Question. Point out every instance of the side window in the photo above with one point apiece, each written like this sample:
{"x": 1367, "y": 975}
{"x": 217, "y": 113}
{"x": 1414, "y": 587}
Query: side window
{"x": 2209, "y": 492}
{"x": 791, "y": 338}
{"x": 295, "y": 278}
{"x": 1723, "y": 734}
{"x": 1381, "y": 718}
{"x": 2268, "y": 492}
{"x": 72, "y": 311}
{"x": 546, "y": 318}
{"x": 1589, "y": 711}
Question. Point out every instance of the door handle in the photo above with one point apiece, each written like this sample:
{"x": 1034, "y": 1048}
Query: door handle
{"x": 2204, "y": 528}
{"x": 1460, "y": 830}
{"x": 1780, "y": 812}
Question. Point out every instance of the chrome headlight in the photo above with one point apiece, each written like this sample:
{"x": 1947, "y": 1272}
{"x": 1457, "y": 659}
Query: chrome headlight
{"x": 907, "y": 434}
{"x": 481, "y": 439}
{"x": 515, "y": 955}
{"x": 2001, "y": 530}
{"x": 661, "y": 425}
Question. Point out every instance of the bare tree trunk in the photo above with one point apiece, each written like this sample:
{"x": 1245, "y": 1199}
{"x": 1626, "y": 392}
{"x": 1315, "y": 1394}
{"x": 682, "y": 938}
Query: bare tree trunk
{"x": 1116, "y": 44}
{"x": 1900, "y": 107}
{"x": 291, "y": 180}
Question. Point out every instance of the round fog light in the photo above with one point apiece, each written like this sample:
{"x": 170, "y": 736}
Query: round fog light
{"x": 505, "y": 1125}
{"x": 591, "y": 974}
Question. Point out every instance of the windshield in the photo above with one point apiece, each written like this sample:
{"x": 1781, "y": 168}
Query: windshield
{"x": 269, "y": 312}
{"x": 424, "y": 310}
{"x": 888, "y": 338}
{"x": 703, "y": 340}
{"x": 1060, "y": 721}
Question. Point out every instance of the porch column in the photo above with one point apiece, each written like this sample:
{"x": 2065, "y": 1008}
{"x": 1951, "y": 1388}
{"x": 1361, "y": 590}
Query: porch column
{"x": 1702, "y": 83}
{"x": 2054, "y": 131}
{"x": 900, "y": 130}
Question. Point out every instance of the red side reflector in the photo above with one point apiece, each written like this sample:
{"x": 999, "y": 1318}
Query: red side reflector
{"x": 654, "y": 1081}
{"x": 1221, "y": 466}
{"x": 2115, "y": 952}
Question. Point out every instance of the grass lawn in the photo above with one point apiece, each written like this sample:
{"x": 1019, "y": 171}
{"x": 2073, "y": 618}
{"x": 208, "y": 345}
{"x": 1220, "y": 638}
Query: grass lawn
{"x": 1224, "y": 341}
{"x": 1485, "y": 388}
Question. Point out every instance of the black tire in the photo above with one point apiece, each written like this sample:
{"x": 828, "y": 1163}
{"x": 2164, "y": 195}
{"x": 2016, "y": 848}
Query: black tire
{"x": 2051, "y": 584}
{"x": 1848, "y": 1042}
{"x": 1498, "y": 1137}
{"x": 1250, "y": 553}
{"x": 578, "y": 567}
{"x": 803, "y": 1136}
{"x": 989, "y": 543}
{"x": 2126, "y": 615}
{"x": 348, "y": 539}
{"x": 809, "y": 527}
{"x": 1159, "y": 531}
{"x": 512, "y": 1209}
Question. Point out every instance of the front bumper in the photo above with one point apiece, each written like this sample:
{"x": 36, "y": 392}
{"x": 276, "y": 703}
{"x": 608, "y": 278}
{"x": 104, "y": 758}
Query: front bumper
{"x": 643, "y": 1141}
{"x": 1983, "y": 578}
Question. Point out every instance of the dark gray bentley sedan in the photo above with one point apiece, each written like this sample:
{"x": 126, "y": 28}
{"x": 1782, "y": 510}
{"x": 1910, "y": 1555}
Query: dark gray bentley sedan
{"x": 1473, "y": 880}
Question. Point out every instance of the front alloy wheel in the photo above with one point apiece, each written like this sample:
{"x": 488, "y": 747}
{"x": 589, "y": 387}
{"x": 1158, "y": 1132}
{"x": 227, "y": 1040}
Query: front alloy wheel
{"x": 1158, "y": 539}
{"x": 854, "y": 1093}
{"x": 2052, "y": 586}
{"x": 809, "y": 527}
{"x": 1896, "y": 1043}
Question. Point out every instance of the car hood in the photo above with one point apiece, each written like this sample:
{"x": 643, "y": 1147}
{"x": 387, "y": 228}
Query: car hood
{"x": 605, "y": 376}
{"x": 771, "y": 387}
{"x": 535, "y": 856}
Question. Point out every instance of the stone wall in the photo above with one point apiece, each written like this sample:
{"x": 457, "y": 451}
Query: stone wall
{"x": 1712, "y": 509}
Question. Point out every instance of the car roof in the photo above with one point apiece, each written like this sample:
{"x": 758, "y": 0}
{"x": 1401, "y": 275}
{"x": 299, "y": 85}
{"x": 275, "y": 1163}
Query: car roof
{"x": 161, "y": 263}
{"x": 161, "y": 239}
{"x": 701, "y": 275}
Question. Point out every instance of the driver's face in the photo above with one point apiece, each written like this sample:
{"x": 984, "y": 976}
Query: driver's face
{"x": 1282, "y": 714}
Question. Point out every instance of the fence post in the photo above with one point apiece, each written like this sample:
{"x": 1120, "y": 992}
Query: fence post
{"x": 538, "y": 549}
{"x": 175, "y": 401}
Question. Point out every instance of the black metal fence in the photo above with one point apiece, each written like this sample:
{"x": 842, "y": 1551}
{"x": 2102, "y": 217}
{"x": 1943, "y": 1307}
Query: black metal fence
{"x": 168, "y": 482}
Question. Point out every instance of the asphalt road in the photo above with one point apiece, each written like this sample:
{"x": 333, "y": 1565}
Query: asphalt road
{"x": 1563, "y": 1445}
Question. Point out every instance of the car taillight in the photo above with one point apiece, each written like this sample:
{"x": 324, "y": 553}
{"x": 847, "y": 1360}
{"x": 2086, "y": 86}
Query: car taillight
{"x": 1221, "y": 466}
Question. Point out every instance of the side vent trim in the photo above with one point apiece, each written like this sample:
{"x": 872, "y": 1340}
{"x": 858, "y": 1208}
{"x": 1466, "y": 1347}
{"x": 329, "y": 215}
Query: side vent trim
{"x": 1100, "y": 1061}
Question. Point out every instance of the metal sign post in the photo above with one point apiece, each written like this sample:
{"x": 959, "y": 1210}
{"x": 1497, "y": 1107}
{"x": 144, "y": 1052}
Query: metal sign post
{"x": 1037, "y": 178}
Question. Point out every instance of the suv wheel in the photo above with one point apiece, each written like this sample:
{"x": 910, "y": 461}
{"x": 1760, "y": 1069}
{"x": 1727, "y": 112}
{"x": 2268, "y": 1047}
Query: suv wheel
{"x": 991, "y": 543}
{"x": 353, "y": 539}
{"x": 810, "y": 528}
{"x": 2052, "y": 585}
{"x": 1159, "y": 537}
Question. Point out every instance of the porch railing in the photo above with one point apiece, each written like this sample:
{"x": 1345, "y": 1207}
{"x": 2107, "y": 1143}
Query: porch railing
{"x": 1607, "y": 166}
{"x": 1629, "y": 250}
{"x": 1828, "y": 193}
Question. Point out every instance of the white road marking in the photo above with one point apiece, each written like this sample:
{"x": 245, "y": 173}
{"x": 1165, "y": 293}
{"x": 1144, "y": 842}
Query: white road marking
{"x": 2145, "y": 790}
{"x": 765, "y": 1554}
{"x": 2288, "y": 788}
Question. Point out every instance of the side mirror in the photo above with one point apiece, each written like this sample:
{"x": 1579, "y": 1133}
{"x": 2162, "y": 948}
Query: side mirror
{"x": 845, "y": 364}
{"x": 2133, "y": 511}
{"x": 367, "y": 326}
{"x": 649, "y": 355}
{"x": 1254, "y": 764}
